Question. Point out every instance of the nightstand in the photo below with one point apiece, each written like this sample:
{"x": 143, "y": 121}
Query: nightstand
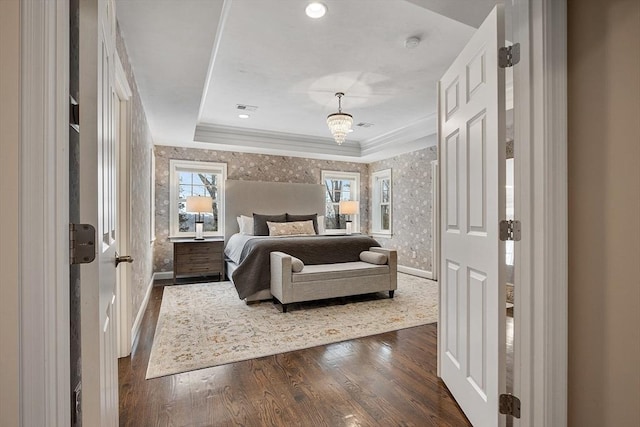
{"x": 197, "y": 260}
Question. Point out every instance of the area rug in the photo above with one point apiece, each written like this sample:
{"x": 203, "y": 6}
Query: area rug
{"x": 204, "y": 325}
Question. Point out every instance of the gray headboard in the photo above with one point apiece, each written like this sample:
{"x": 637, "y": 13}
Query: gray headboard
{"x": 247, "y": 197}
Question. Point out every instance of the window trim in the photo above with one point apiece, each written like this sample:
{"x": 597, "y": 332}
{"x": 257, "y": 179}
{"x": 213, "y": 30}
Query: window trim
{"x": 329, "y": 174}
{"x": 210, "y": 167}
{"x": 376, "y": 219}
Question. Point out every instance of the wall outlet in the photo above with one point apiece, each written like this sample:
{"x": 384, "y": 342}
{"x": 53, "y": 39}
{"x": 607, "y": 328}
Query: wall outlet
{"x": 413, "y": 254}
{"x": 76, "y": 404}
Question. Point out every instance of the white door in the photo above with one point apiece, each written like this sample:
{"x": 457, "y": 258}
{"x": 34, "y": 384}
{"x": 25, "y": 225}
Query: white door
{"x": 472, "y": 292}
{"x": 98, "y": 179}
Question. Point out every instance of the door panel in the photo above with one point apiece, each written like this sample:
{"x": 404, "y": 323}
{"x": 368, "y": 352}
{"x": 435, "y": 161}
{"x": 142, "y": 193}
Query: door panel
{"x": 472, "y": 139}
{"x": 98, "y": 207}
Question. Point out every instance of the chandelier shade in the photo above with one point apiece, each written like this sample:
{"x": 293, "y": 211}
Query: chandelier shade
{"x": 339, "y": 123}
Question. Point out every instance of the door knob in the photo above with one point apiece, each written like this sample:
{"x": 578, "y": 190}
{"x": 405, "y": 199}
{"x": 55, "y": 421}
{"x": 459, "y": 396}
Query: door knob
{"x": 124, "y": 258}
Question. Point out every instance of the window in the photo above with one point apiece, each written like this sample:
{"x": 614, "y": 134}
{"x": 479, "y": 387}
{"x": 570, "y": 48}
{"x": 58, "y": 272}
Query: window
{"x": 381, "y": 204}
{"x": 189, "y": 178}
{"x": 341, "y": 186}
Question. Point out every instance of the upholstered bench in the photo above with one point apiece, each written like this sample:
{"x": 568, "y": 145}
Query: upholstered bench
{"x": 292, "y": 281}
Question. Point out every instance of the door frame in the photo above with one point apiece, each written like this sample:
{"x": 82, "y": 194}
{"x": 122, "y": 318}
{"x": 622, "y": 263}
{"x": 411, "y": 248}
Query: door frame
{"x": 43, "y": 283}
{"x": 43, "y": 268}
{"x": 123, "y": 215}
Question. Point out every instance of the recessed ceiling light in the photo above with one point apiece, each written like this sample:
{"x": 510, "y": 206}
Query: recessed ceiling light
{"x": 315, "y": 10}
{"x": 350, "y": 130}
{"x": 243, "y": 116}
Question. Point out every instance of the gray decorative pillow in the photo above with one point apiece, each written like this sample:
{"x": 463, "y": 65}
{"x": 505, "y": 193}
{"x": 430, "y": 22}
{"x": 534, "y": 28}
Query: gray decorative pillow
{"x": 312, "y": 217}
{"x": 260, "y": 223}
{"x": 373, "y": 257}
{"x": 296, "y": 265}
{"x": 296, "y": 228}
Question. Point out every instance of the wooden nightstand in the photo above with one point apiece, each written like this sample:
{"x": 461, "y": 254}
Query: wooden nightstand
{"x": 197, "y": 260}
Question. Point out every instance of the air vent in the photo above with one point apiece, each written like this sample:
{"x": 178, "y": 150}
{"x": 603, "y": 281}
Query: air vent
{"x": 244, "y": 107}
{"x": 364, "y": 125}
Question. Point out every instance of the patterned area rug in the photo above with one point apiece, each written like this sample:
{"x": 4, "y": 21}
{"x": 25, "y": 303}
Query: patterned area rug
{"x": 204, "y": 325}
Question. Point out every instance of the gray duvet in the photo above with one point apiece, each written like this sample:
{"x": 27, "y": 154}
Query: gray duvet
{"x": 252, "y": 255}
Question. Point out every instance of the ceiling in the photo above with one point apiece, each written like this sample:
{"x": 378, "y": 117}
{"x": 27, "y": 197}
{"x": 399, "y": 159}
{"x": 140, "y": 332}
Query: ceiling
{"x": 195, "y": 61}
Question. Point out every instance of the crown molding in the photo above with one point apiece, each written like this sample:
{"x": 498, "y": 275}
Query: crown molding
{"x": 421, "y": 128}
{"x": 417, "y": 135}
{"x": 242, "y": 138}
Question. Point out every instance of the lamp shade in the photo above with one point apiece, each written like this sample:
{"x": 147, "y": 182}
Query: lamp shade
{"x": 199, "y": 204}
{"x": 349, "y": 207}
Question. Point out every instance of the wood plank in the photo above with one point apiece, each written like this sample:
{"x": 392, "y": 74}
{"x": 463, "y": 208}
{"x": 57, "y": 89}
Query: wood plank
{"x": 387, "y": 379}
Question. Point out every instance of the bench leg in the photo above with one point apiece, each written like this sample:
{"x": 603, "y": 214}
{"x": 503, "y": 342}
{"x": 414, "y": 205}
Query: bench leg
{"x": 284, "y": 308}
{"x": 391, "y": 294}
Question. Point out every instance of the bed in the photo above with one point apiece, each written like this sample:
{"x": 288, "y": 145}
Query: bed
{"x": 247, "y": 258}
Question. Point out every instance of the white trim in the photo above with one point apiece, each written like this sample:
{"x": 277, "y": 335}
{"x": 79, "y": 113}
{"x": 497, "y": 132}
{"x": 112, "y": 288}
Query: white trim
{"x": 44, "y": 211}
{"x": 435, "y": 219}
{"x": 152, "y": 198}
{"x": 420, "y": 128}
{"x": 273, "y": 141}
{"x": 135, "y": 329}
{"x": 376, "y": 203}
{"x": 547, "y": 235}
{"x": 210, "y": 167}
{"x": 123, "y": 218}
{"x": 163, "y": 275}
{"x": 122, "y": 84}
{"x": 416, "y": 272}
{"x": 355, "y": 195}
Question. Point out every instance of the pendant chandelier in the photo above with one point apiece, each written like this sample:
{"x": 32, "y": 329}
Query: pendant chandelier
{"x": 339, "y": 123}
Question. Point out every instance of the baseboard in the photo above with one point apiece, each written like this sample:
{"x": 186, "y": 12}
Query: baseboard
{"x": 415, "y": 272}
{"x": 135, "y": 329}
{"x": 163, "y": 275}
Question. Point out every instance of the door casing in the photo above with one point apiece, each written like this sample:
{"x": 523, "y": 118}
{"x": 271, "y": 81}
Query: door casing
{"x": 44, "y": 389}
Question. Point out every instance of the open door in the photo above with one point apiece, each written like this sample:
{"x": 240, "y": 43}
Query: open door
{"x": 472, "y": 284}
{"x": 98, "y": 203}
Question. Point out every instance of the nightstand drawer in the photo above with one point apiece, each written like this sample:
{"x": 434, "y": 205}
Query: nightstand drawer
{"x": 198, "y": 248}
{"x": 210, "y": 267}
{"x": 195, "y": 260}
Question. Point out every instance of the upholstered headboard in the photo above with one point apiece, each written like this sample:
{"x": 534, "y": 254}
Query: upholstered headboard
{"x": 247, "y": 197}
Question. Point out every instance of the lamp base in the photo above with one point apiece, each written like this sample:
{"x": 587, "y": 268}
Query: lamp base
{"x": 349, "y": 227}
{"x": 199, "y": 231}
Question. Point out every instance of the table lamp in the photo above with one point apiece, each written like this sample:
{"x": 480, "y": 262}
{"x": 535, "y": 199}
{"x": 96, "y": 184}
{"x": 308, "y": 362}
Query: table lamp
{"x": 199, "y": 205}
{"x": 348, "y": 208}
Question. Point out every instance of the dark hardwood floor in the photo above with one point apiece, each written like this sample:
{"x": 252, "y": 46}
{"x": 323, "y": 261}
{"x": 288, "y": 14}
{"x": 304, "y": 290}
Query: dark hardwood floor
{"x": 383, "y": 380}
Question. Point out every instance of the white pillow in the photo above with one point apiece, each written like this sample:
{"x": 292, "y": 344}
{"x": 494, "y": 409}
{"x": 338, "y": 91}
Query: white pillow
{"x": 293, "y": 228}
{"x": 245, "y": 223}
{"x": 321, "y": 228}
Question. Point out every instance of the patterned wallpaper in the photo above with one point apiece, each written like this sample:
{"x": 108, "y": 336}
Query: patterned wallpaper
{"x": 412, "y": 208}
{"x": 249, "y": 167}
{"x": 141, "y": 148}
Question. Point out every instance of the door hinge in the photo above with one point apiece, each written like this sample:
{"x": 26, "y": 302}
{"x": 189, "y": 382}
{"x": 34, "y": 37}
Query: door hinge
{"x": 82, "y": 243}
{"x": 509, "y": 230}
{"x": 509, "y": 56}
{"x": 510, "y": 405}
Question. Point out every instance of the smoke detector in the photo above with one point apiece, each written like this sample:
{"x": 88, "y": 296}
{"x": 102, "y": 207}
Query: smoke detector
{"x": 412, "y": 42}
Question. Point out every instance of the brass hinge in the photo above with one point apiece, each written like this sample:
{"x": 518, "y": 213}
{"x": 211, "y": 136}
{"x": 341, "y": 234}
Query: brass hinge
{"x": 509, "y": 56}
{"x": 509, "y": 230}
{"x": 82, "y": 246}
{"x": 509, "y": 405}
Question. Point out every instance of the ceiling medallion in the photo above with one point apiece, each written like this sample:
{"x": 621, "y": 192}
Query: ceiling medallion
{"x": 339, "y": 123}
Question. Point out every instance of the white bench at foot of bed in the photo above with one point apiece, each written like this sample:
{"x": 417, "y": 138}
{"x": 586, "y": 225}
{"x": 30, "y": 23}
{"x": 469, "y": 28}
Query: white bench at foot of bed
{"x": 324, "y": 281}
